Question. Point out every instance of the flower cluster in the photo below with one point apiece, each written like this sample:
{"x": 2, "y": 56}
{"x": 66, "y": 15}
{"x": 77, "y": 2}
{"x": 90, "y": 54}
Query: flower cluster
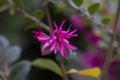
{"x": 96, "y": 57}
{"x": 57, "y": 41}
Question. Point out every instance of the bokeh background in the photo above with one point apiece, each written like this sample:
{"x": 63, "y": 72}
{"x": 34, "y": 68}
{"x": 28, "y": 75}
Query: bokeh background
{"x": 92, "y": 42}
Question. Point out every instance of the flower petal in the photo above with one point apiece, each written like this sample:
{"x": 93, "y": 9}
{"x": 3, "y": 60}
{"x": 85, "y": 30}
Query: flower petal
{"x": 53, "y": 47}
{"x": 61, "y": 25}
{"x": 61, "y": 51}
{"x": 69, "y": 28}
{"x": 43, "y": 38}
{"x": 56, "y": 27}
{"x": 72, "y": 47}
{"x": 47, "y": 44}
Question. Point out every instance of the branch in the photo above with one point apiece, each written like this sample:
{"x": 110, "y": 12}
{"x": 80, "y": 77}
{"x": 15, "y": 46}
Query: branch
{"x": 4, "y": 65}
{"x": 45, "y": 6}
{"x": 111, "y": 46}
{"x": 89, "y": 17}
{"x": 64, "y": 71}
{"x": 39, "y": 22}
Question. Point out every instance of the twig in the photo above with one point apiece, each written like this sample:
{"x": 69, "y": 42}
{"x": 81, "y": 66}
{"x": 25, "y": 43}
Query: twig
{"x": 2, "y": 76}
{"x": 89, "y": 17}
{"x": 45, "y": 6}
{"x": 5, "y": 74}
{"x": 64, "y": 71}
{"x": 111, "y": 46}
{"x": 39, "y": 22}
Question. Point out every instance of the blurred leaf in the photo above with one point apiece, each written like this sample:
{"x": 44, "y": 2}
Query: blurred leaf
{"x": 117, "y": 56}
{"x": 31, "y": 26}
{"x": 26, "y": 19}
{"x": 2, "y": 73}
{"x": 92, "y": 72}
{"x": 3, "y": 43}
{"x": 2, "y": 8}
{"x": 87, "y": 21}
{"x": 18, "y": 3}
{"x": 12, "y": 9}
{"x": 71, "y": 71}
{"x": 49, "y": 65}
{"x": 77, "y": 2}
{"x": 93, "y": 8}
{"x": 60, "y": 6}
{"x": 105, "y": 20}
{"x": 12, "y": 54}
{"x": 38, "y": 14}
{"x": 19, "y": 71}
{"x": 3, "y": 2}
{"x": 3, "y": 5}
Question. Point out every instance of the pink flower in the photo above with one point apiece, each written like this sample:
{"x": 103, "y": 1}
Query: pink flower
{"x": 78, "y": 22}
{"x": 57, "y": 41}
{"x": 94, "y": 56}
{"x": 97, "y": 58}
{"x": 92, "y": 38}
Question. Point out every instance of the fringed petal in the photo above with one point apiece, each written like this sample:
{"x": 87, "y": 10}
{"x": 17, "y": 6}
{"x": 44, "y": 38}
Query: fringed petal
{"x": 61, "y": 25}
{"x": 56, "y": 27}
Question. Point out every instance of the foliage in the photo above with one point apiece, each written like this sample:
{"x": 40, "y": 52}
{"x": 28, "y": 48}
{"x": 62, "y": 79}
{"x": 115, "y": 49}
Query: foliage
{"x": 43, "y": 64}
{"x": 93, "y": 8}
{"x": 19, "y": 71}
{"x": 92, "y": 72}
{"x": 93, "y": 22}
{"x": 78, "y": 2}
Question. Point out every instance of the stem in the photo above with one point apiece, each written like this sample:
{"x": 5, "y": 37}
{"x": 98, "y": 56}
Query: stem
{"x": 45, "y": 6}
{"x": 111, "y": 46}
{"x": 5, "y": 74}
{"x": 87, "y": 16}
{"x": 39, "y": 22}
{"x": 64, "y": 71}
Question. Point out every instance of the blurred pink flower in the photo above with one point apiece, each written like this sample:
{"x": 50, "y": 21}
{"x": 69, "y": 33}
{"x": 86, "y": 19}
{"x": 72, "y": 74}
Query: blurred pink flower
{"x": 114, "y": 71}
{"x": 40, "y": 33}
{"x": 77, "y": 22}
{"x": 92, "y": 38}
{"x": 118, "y": 25}
{"x": 107, "y": 11}
{"x": 57, "y": 41}
{"x": 92, "y": 59}
{"x": 110, "y": 26}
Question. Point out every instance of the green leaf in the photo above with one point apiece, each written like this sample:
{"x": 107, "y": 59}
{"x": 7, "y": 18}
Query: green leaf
{"x": 2, "y": 7}
{"x": 38, "y": 14}
{"x": 12, "y": 54}
{"x": 93, "y": 8}
{"x": 18, "y": 3}
{"x": 26, "y": 19}
{"x": 49, "y": 65}
{"x": 4, "y": 2}
{"x": 117, "y": 56}
{"x": 77, "y": 2}
{"x": 4, "y": 43}
{"x": 19, "y": 71}
{"x": 12, "y": 9}
{"x": 31, "y": 26}
{"x": 105, "y": 20}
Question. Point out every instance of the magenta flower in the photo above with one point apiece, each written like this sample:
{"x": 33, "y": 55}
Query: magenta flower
{"x": 78, "y": 22}
{"x": 97, "y": 57}
{"x": 92, "y": 38}
{"x": 57, "y": 41}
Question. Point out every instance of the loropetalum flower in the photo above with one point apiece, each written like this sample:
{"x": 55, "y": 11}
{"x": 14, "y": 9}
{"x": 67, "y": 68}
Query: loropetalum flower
{"x": 57, "y": 41}
{"x": 92, "y": 38}
{"x": 97, "y": 58}
{"x": 78, "y": 22}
